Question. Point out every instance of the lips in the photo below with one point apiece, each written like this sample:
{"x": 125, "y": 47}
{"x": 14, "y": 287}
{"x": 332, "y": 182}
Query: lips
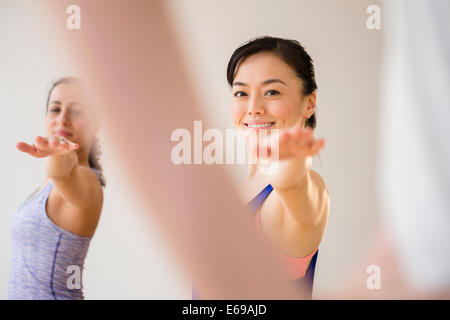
{"x": 259, "y": 124}
{"x": 63, "y": 133}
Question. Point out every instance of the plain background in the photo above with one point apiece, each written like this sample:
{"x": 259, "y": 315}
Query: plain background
{"x": 128, "y": 259}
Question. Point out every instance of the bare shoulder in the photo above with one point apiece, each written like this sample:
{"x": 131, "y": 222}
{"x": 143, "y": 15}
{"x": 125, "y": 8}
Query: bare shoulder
{"x": 78, "y": 219}
{"x": 90, "y": 182}
{"x": 319, "y": 184}
{"x": 322, "y": 192}
{"x": 317, "y": 179}
{"x": 89, "y": 174}
{"x": 82, "y": 191}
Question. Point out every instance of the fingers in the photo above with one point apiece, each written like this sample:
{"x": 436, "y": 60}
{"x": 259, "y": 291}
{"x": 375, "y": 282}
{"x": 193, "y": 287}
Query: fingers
{"x": 292, "y": 143}
{"x": 315, "y": 147}
{"x": 27, "y": 148}
{"x": 304, "y": 138}
{"x": 69, "y": 145}
{"x": 62, "y": 144}
{"x": 304, "y": 143}
{"x": 319, "y": 144}
{"x": 47, "y": 146}
{"x": 299, "y": 142}
{"x": 53, "y": 142}
{"x": 41, "y": 142}
{"x": 59, "y": 143}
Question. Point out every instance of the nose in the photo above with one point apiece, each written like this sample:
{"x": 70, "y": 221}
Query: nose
{"x": 64, "y": 117}
{"x": 256, "y": 106}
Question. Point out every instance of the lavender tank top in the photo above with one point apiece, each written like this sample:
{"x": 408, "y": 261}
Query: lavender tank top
{"x": 47, "y": 261}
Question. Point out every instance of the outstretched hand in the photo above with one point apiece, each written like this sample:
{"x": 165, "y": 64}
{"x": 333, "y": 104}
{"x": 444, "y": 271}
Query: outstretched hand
{"x": 293, "y": 143}
{"x": 45, "y": 147}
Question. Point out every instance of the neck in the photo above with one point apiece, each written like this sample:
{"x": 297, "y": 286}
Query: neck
{"x": 83, "y": 157}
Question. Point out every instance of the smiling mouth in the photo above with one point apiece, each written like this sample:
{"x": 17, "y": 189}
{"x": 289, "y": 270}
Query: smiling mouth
{"x": 63, "y": 133}
{"x": 259, "y": 125}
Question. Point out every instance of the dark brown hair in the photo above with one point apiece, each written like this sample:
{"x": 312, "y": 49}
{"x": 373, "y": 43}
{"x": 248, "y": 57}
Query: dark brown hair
{"x": 290, "y": 51}
{"x": 95, "y": 151}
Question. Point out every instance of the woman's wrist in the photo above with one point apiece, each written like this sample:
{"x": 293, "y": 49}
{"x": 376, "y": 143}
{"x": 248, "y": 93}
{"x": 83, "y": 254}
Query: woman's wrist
{"x": 61, "y": 166}
{"x": 291, "y": 173}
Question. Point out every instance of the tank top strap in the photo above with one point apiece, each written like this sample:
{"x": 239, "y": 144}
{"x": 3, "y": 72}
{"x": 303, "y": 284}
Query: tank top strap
{"x": 98, "y": 173}
{"x": 308, "y": 280}
{"x": 256, "y": 202}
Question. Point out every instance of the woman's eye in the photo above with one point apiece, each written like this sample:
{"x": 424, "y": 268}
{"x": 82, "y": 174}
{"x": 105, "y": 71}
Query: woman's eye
{"x": 54, "y": 109}
{"x": 239, "y": 94}
{"x": 272, "y": 92}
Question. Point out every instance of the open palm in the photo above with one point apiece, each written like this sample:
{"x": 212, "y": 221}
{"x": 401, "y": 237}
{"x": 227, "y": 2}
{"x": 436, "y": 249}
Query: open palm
{"x": 293, "y": 143}
{"x": 44, "y": 147}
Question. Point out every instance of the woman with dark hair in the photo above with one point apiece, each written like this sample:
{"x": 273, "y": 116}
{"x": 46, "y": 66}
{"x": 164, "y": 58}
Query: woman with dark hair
{"x": 274, "y": 87}
{"x": 52, "y": 229}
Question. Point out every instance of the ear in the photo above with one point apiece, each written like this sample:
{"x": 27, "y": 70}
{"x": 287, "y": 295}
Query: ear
{"x": 309, "y": 105}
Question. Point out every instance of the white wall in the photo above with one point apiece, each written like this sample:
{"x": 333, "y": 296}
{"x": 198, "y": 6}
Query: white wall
{"x": 127, "y": 258}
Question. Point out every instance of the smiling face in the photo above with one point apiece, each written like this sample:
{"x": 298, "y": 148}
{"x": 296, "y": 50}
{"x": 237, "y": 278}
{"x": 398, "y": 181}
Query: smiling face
{"x": 267, "y": 94}
{"x": 68, "y": 115}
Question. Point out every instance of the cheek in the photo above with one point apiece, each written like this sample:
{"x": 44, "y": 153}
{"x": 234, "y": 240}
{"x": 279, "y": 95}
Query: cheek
{"x": 237, "y": 112}
{"x": 283, "y": 109}
{"x": 83, "y": 130}
{"x": 49, "y": 124}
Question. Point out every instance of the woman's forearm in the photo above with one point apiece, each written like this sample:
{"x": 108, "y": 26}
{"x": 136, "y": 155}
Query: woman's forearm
{"x": 300, "y": 190}
{"x": 291, "y": 173}
{"x": 61, "y": 166}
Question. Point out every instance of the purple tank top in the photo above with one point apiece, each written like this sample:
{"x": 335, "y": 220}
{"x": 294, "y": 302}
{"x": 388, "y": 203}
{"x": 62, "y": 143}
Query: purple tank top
{"x": 47, "y": 261}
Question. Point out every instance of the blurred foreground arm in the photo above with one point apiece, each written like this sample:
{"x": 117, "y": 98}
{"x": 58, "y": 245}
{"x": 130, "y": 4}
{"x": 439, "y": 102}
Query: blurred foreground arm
{"x": 127, "y": 51}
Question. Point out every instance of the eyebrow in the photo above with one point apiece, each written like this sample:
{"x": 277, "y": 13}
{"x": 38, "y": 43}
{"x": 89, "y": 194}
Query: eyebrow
{"x": 70, "y": 103}
{"x": 238, "y": 83}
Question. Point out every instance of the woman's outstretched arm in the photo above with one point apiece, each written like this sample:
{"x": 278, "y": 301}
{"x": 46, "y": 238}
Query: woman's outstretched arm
{"x": 77, "y": 185}
{"x": 302, "y": 193}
